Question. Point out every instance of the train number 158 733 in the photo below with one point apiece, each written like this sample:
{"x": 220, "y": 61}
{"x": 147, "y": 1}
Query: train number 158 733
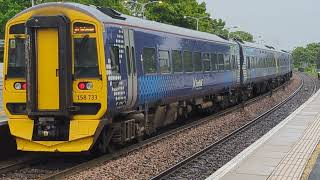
{"x": 84, "y": 97}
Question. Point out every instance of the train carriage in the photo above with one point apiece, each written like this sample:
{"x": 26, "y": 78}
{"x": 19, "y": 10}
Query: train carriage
{"x": 80, "y": 78}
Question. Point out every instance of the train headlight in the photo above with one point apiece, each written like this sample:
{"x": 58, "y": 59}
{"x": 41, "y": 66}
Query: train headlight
{"x": 18, "y": 86}
{"x": 89, "y": 86}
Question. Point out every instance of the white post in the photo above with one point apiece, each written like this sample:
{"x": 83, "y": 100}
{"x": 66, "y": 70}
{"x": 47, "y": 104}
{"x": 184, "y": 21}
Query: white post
{"x": 32, "y": 2}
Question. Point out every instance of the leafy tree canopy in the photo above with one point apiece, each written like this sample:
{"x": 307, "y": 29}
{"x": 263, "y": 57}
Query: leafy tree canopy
{"x": 242, "y": 35}
{"x": 307, "y": 55}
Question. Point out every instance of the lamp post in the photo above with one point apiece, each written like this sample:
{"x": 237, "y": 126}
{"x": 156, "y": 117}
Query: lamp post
{"x": 197, "y": 19}
{"x": 32, "y": 2}
{"x": 143, "y": 5}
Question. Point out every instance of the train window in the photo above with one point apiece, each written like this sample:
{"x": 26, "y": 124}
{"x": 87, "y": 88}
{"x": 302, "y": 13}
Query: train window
{"x": 214, "y": 62}
{"x": 227, "y": 62}
{"x": 221, "y": 62}
{"x": 86, "y": 57}
{"x": 177, "y": 61}
{"x": 233, "y": 62}
{"x": 197, "y": 62}
{"x": 206, "y": 62}
{"x": 16, "y": 62}
{"x": 248, "y": 62}
{"x": 149, "y": 60}
{"x": 164, "y": 62}
{"x": 114, "y": 57}
{"x": 187, "y": 58}
{"x": 17, "y": 29}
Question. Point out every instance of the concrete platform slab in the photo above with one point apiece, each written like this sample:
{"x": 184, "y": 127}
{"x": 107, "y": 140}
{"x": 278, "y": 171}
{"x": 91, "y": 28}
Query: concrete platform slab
{"x": 283, "y": 152}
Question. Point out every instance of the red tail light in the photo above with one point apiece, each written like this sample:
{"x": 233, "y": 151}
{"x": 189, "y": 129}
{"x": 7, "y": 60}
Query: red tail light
{"x": 82, "y": 86}
{"x": 24, "y": 86}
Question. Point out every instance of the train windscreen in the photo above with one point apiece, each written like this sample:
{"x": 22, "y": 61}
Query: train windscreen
{"x": 16, "y": 58}
{"x": 86, "y": 57}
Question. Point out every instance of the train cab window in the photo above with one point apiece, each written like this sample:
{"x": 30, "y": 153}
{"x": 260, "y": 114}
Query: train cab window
{"x": 187, "y": 58}
{"x": 221, "y": 62}
{"x": 206, "y": 62}
{"x": 17, "y": 29}
{"x": 214, "y": 62}
{"x": 16, "y": 61}
{"x": 227, "y": 62}
{"x": 197, "y": 62}
{"x": 149, "y": 60}
{"x": 164, "y": 62}
{"x": 114, "y": 57}
{"x": 177, "y": 61}
{"x": 86, "y": 57}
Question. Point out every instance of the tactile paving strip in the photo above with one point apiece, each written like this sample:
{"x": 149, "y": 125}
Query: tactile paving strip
{"x": 292, "y": 166}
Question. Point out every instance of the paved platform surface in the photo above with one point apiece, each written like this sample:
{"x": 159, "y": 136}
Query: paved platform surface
{"x": 283, "y": 152}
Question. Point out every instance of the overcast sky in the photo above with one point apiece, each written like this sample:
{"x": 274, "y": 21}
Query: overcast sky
{"x": 281, "y": 23}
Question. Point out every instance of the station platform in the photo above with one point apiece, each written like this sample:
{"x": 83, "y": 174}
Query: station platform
{"x": 282, "y": 153}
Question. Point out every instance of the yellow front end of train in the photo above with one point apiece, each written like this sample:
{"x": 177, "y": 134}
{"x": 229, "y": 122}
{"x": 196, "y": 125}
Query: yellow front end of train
{"x": 55, "y": 92}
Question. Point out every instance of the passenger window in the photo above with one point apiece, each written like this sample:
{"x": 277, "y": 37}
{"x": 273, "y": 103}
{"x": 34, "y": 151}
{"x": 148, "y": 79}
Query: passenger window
{"x": 248, "y": 62}
{"x": 197, "y": 62}
{"x": 221, "y": 61}
{"x": 206, "y": 62}
{"x": 214, "y": 62}
{"x": 233, "y": 61}
{"x": 164, "y": 62}
{"x": 17, "y": 63}
{"x": 114, "y": 57}
{"x": 86, "y": 57}
{"x": 227, "y": 62}
{"x": 177, "y": 61}
{"x": 149, "y": 60}
{"x": 188, "y": 65}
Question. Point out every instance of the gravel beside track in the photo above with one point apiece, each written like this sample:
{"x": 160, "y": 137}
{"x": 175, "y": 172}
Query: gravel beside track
{"x": 204, "y": 165}
{"x": 148, "y": 161}
{"x": 44, "y": 164}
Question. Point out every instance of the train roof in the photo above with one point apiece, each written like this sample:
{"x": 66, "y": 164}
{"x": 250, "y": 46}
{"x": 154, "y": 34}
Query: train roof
{"x": 262, "y": 47}
{"x": 132, "y": 21}
{"x": 122, "y": 19}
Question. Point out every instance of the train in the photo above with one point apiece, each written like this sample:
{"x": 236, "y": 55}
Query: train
{"x": 81, "y": 78}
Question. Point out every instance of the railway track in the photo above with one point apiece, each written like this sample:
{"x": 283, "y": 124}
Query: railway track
{"x": 199, "y": 156}
{"x": 100, "y": 160}
{"x": 72, "y": 168}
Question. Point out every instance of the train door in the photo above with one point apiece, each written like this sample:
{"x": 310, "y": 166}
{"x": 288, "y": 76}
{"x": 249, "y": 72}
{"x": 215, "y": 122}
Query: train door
{"x": 47, "y": 66}
{"x": 131, "y": 67}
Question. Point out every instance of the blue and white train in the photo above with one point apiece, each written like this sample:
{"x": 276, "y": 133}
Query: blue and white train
{"x": 119, "y": 78}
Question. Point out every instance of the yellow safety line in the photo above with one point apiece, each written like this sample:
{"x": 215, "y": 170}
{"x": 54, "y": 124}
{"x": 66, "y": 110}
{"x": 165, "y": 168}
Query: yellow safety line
{"x": 312, "y": 162}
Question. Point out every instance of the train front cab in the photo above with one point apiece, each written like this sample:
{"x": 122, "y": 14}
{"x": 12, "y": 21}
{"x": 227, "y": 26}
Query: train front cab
{"x": 54, "y": 92}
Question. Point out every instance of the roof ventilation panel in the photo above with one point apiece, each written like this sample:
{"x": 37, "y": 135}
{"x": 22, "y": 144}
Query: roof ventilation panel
{"x": 111, "y": 12}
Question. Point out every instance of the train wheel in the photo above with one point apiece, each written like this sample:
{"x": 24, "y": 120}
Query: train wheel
{"x": 104, "y": 145}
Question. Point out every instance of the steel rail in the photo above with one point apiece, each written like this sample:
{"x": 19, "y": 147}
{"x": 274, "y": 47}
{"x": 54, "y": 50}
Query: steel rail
{"x": 152, "y": 140}
{"x": 181, "y": 164}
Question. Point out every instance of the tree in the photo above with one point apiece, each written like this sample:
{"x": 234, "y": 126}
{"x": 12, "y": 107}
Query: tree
{"x": 309, "y": 55}
{"x": 9, "y": 8}
{"x": 242, "y": 35}
{"x": 173, "y": 12}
